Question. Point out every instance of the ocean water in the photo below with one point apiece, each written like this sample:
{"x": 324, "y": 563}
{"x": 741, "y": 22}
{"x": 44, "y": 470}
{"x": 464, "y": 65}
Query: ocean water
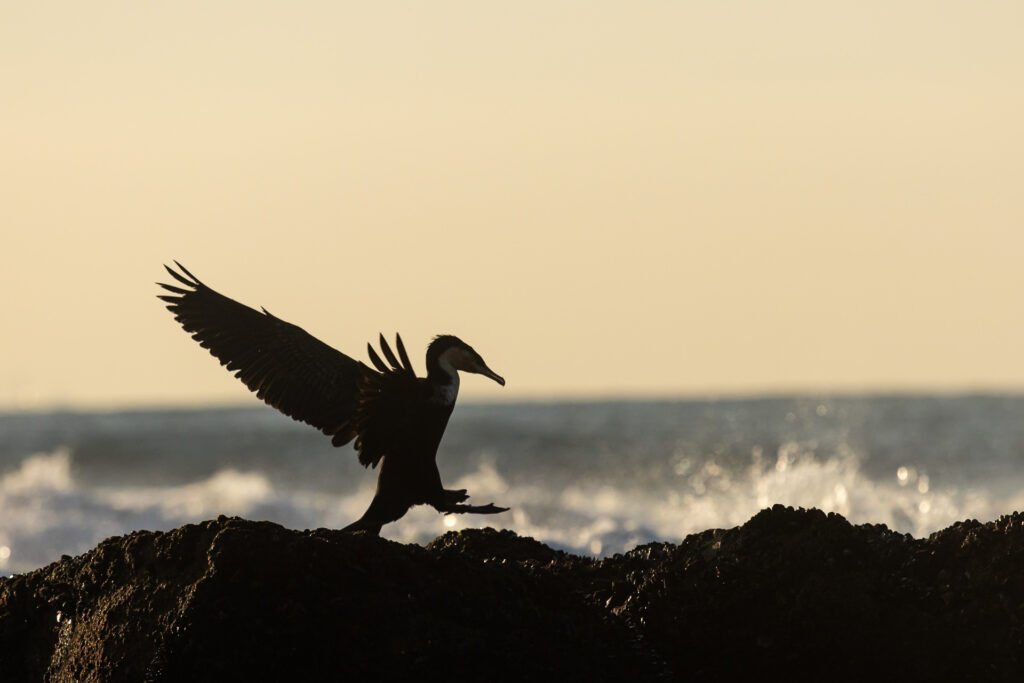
{"x": 594, "y": 478}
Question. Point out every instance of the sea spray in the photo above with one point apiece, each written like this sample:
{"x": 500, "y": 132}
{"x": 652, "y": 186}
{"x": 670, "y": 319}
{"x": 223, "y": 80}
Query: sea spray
{"x": 594, "y": 478}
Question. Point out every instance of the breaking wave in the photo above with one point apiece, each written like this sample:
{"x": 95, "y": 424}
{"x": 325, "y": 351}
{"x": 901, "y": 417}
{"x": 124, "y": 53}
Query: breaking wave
{"x": 47, "y": 510}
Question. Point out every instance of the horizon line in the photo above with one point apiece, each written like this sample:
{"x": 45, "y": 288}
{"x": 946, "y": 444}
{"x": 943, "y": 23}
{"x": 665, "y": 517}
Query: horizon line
{"x": 709, "y": 396}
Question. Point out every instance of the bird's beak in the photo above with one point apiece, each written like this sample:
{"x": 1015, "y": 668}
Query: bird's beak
{"x": 487, "y": 372}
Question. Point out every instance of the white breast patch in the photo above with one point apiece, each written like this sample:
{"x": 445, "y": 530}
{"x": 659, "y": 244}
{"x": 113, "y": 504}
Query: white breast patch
{"x": 447, "y": 393}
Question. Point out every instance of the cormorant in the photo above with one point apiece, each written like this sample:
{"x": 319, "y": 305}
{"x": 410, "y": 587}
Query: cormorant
{"x": 396, "y": 418}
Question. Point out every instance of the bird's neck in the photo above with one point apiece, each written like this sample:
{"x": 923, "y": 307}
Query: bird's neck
{"x": 445, "y": 382}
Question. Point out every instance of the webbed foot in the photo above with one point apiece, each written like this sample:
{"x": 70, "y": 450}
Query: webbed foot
{"x": 455, "y": 497}
{"x": 489, "y": 509}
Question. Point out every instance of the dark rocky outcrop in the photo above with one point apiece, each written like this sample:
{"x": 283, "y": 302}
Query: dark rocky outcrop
{"x": 793, "y": 594}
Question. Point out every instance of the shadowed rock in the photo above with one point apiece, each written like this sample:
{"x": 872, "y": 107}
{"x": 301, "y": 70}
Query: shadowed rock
{"x": 792, "y": 593}
{"x": 232, "y": 599}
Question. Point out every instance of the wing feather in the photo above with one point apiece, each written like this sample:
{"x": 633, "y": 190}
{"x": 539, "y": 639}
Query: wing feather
{"x": 387, "y": 420}
{"x": 389, "y": 415}
{"x": 375, "y": 359}
{"x": 285, "y": 366}
{"x": 389, "y": 354}
{"x": 406, "y": 363}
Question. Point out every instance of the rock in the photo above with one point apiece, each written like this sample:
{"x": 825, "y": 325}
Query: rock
{"x": 794, "y": 594}
{"x": 232, "y": 599}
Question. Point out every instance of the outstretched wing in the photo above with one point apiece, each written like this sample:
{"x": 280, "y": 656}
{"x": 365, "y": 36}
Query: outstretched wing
{"x": 286, "y": 366}
{"x": 388, "y": 416}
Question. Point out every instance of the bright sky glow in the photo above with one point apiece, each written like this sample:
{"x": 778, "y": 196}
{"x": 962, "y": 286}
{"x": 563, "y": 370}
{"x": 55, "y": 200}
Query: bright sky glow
{"x": 602, "y": 198}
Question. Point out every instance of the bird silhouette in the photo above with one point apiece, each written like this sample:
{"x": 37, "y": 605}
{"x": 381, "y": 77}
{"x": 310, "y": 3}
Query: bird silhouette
{"x": 395, "y": 418}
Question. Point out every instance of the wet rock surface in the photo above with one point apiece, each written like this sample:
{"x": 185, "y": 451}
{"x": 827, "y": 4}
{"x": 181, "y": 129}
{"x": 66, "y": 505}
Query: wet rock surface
{"x": 793, "y": 594}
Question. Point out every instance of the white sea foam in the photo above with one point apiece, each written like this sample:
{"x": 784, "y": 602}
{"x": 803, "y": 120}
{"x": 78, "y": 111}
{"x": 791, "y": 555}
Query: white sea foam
{"x": 46, "y": 512}
{"x": 605, "y": 519}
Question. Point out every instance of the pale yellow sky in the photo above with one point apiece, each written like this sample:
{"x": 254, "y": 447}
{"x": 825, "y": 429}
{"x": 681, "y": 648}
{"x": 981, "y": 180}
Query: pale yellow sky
{"x": 603, "y": 198}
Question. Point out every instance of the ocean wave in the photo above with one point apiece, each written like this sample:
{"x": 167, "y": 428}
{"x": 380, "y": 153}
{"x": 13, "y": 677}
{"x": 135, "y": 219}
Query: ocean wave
{"x": 602, "y": 519}
{"x": 45, "y": 511}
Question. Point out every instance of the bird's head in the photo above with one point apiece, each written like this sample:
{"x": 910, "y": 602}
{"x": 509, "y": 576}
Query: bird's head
{"x": 448, "y": 354}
